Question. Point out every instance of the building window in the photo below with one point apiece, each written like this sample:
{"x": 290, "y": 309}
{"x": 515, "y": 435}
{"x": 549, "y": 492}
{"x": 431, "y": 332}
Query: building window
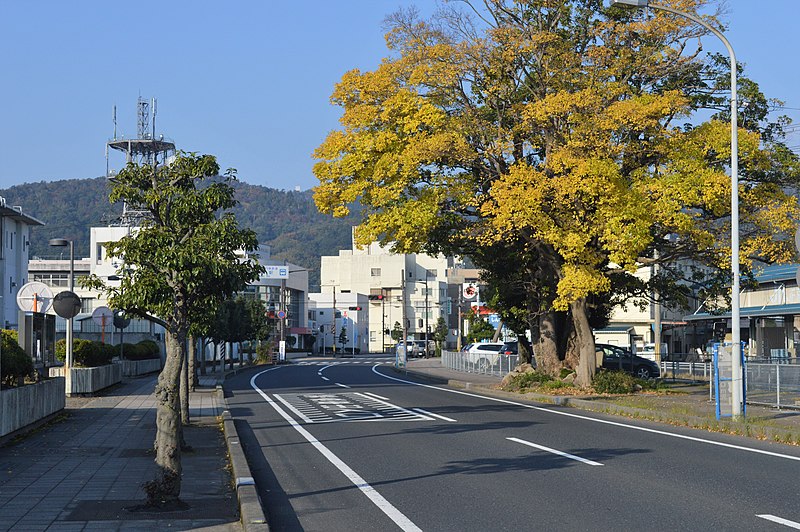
{"x": 375, "y": 272}
{"x": 52, "y": 279}
{"x": 87, "y": 305}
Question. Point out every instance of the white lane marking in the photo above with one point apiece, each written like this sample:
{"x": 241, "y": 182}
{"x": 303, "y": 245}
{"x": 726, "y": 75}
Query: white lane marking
{"x": 340, "y": 384}
{"x": 390, "y": 405}
{"x": 779, "y": 520}
{"x": 293, "y": 409}
{"x": 377, "y": 499}
{"x": 325, "y": 378}
{"x": 597, "y": 420}
{"x": 438, "y": 416}
{"x": 376, "y": 395}
{"x": 554, "y": 451}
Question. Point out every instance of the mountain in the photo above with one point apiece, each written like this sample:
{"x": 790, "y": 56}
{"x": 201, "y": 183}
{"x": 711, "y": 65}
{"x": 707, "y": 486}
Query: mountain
{"x": 288, "y": 221}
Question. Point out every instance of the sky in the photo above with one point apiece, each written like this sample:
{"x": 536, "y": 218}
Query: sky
{"x": 248, "y": 81}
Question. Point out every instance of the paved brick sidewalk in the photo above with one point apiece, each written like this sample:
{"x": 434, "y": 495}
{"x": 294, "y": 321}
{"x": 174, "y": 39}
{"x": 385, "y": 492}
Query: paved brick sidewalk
{"x": 85, "y": 470}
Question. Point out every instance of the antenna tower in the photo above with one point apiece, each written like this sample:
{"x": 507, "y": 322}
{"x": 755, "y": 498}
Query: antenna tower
{"x": 146, "y": 149}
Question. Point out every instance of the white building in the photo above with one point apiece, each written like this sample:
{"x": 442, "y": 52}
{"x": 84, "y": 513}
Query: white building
{"x": 389, "y": 287}
{"x": 14, "y": 248}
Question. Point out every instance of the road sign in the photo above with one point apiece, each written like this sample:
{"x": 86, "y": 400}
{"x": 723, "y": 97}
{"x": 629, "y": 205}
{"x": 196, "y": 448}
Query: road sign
{"x": 102, "y": 316}
{"x": 281, "y": 314}
{"x": 276, "y": 272}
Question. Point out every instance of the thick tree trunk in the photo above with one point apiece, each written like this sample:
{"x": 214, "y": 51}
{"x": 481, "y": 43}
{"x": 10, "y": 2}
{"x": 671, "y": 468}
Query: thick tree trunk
{"x": 202, "y": 356}
{"x": 547, "y": 359}
{"x": 584, "y": 339}
{"x": 166, "y": 487}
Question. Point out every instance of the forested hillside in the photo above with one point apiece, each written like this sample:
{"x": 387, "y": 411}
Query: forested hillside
{"x": 287, "y": 221}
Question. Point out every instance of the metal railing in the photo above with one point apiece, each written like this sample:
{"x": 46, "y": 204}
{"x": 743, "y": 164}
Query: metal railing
{"x": 774, "y": 383}
{"x": 481, "y": 363}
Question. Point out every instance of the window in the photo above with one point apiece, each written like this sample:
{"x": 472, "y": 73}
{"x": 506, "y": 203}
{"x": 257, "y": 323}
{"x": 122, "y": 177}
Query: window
{"x": 52, "y": 279}
{"x": 87, "y": 305}
{"x": 375, "y": 272}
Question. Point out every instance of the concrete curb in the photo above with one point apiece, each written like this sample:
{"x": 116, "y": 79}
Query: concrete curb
{"x": 726, "y": 426}
{"x": 250, "y": 509}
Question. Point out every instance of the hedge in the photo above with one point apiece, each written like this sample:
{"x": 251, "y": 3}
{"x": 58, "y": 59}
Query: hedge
{"x": 15, "y": 363}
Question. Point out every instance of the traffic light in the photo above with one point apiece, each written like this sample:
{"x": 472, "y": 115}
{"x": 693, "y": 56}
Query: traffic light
{"x": 375, "y": 297}
{"x": 322, "y": 328}
{"x": 353, "y": 308}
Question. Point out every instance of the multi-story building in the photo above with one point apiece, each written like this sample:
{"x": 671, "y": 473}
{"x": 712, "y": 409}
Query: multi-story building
{"x": 14, "y": 248}
{"x": 409, "y": 291}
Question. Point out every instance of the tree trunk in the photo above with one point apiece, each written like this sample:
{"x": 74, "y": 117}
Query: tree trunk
{"x": 185, "y": 389}
{"x": 202, "y": 356}
{"x": 584, "y": 372}
{"x": 547, "y": 359}
{"x": 191, "y": 356}
{"x": 166, "y": 487}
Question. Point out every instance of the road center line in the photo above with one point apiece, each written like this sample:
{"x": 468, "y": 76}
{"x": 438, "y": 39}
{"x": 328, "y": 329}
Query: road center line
{"x": 423, "y": 411}
{"x": 554, "y": 451}
{"x": 779, "y": 520}
{"x": 377, "y": 499}
{"x": 595, "y": 420}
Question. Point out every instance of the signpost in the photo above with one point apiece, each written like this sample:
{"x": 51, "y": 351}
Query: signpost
{"x": 101, "y": 316}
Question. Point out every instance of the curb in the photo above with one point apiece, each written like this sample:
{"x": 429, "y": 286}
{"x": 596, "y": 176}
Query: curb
{"x": 250, "y": 509}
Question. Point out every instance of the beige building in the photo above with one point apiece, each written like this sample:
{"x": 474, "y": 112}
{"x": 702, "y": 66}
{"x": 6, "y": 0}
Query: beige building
{"x": 389, "y": 288}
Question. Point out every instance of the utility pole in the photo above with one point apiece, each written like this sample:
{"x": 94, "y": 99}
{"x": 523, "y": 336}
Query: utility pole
{"x": 405, "y": 322}
{"x": 427, "y": 328}
{"x": 334, "y": 321}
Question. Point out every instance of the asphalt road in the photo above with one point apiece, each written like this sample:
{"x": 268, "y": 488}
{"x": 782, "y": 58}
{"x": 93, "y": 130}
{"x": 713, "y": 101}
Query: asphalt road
{"x": 354, "y": 445}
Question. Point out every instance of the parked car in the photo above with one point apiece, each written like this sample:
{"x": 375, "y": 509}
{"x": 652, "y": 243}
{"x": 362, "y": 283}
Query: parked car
{"x": 510, "y": 348}
{"x": 484, "y": 354}
{"x": 416, "y": 348}
{"x": 617, "y": 358}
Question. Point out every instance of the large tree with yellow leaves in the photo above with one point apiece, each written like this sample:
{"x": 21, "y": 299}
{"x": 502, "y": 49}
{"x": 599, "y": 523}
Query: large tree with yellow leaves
{"x": 549, "y": 132}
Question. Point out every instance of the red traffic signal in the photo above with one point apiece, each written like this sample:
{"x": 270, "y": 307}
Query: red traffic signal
{"x": 353, "y": 308}
{"x": 375, "y": 297}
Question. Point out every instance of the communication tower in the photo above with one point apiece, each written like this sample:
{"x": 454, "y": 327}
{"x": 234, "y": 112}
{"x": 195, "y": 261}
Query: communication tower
{"x": 145, "y": 149}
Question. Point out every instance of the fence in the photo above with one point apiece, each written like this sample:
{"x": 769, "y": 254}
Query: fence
{"x": 773, "y": 382}
{"x": 482, "y": 363}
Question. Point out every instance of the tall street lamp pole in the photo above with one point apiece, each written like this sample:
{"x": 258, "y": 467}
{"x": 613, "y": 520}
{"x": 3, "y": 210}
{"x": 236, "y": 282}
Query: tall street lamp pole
{"x": 59, "y": 242}
{"x": 736, "y": 361}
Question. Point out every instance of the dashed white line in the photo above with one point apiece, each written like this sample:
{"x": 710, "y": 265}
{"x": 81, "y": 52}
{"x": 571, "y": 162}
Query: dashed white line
{"x": 554, "y": 451}
{"x": 340, "y": 384}
{"x": 325, "y": 378}
{"x": 444, "y": 418}
{"x": 596, "y": 420}
{"x": 780, "y": 520}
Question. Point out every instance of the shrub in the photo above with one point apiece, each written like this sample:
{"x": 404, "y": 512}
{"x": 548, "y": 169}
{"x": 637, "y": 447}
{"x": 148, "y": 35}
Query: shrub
{"x": 556, "y": 385}
{"x": 149, "y": 349}
{"x": 15, "y": 363}
{"x": 86, "y": 353}
{"x": 529, "y": 379}
{"x": 613, "y": 382}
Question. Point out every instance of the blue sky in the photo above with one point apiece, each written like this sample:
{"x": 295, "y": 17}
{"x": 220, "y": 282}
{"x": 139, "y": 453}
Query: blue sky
{"x": 247, "y": 81}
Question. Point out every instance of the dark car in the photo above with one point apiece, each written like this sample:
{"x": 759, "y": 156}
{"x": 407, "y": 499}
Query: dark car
{"x": 618, "y": 358}
{"x": 509, "y": 348}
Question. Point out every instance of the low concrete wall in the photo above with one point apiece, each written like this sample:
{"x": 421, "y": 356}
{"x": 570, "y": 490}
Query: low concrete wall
{"x": 133, "y": 368}
{"x": 25, "y": 405}
{"x": 90, "y": 380}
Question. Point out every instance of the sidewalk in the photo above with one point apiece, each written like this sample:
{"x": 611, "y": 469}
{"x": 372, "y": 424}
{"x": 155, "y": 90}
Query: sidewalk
{"x": 687, "y": 404}
{"x": 84, "y": 471}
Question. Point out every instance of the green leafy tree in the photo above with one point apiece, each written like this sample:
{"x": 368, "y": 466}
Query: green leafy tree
{"x": 397, "y": 331}
{"x": 183, "y": 255}
{"x": 440, "y": 332}
{"x": 479, "y": 329}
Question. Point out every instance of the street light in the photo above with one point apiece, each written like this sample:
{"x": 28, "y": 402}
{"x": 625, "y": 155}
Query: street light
{"x": 736, "y": 362}
{"x": 60, "y": 242}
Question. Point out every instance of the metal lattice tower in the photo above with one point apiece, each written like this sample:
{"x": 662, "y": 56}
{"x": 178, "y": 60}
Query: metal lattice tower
{"x": 146, "y": 149}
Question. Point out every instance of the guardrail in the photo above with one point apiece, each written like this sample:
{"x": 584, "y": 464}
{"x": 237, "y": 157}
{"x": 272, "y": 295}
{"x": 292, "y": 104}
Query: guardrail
{"x": 481, "y": 363}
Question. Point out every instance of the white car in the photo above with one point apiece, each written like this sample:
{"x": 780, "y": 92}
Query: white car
{"x": 484, "y": 354}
